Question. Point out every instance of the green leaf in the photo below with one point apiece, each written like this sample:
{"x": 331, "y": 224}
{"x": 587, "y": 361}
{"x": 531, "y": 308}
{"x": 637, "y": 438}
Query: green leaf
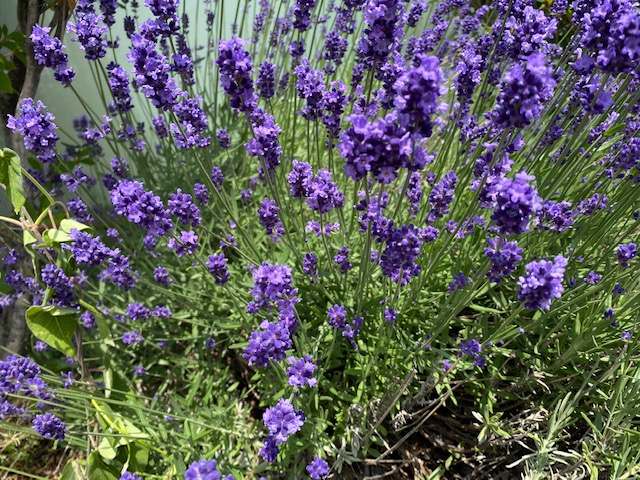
{"x": 5, "y": 83}
{"x": 11, "y": 176}
{"x": 105, "y": 448}
{"x": 17, "y": 37}
{"x": 74, "y": 470}
{"x": 138, "y": 457}
{"x": 610, "y": 132}
{"x": 54, "y": 326}
{"x": 53, "y": 235}
{"x": 28, "y": 238}
{"x": 67, "y": 225}
{"x": 98, "y": 470}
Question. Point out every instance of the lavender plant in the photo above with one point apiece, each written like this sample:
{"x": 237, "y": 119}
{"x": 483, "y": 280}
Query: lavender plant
{"x": 291, "y": 248}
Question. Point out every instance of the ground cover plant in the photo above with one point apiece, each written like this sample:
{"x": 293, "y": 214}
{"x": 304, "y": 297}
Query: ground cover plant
{"x": 329, "y": 239}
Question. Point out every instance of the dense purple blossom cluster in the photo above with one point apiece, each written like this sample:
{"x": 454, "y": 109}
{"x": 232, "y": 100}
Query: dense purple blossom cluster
{"x": 281, "y": 421}
{"x": 301, "y": 370}
{"x": 181, "y": 205}
{"x": 318, "y": 469}
{"x": 235, "y": 66}
{"x": 516, "y": 201}
{"x": 417, "y": 99}
{"x": 504, "y": 257}
{"x": 48, "y": 52}
{"x": 268, "y": 215}
{"x": 35, "y": 124}
{"x": 20, "y": 376}
{"x": 524, "y": 90}
{"x": 90, "y": 30}
{"x": 205, "y": 470}
{"x": 266, "y": 83}
{"x": 381, "y": 148}
{"x": 217, "y": 265}
{"x": 542, "y": 283}
{"x": 50, "y": 426}
{"x": 382, "y": 31}
{"x": 611, "y": 39}
{"x": 141, "y": 207}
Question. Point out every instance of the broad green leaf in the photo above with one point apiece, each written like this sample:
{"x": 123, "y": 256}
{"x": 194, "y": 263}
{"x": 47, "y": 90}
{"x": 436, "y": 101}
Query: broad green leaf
{"x": 105, "y": 449}
{"x": 53, "y": 235}
{"x": 67, "y": 225}
{"x": 98, "y": 470}
{"x": 28, "y": 238}
{"x": 138, "y": 457}
{"x": 5, "y": 83}
{"x": 11, "y": 176}
{"x": 74, "y": 470}
{"x": 54, "y": 326}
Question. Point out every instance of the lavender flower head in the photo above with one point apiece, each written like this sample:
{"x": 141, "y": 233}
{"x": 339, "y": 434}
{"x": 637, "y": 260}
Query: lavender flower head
{"x": 130, "y": 476}
{"x": 35, "y": 124}
{"x": 271, "y": 283}
{"x": 626, "y": 252}
{"x": 235, "y": 74}
{"x": 217, "y": 265}
{"x": 441, "y": 196}
{"x": 266, "y": 80}
{"x": 268, "y": 344}
{"x": 524, "y": 89}
{"x": 504, "y": 257}
{"x": 381, "y": 148}
{"x": 141, "y": 207}
{"x": 268, "y": 215}
{"x": 90, "y": 31}
{"x": 382, "y": 30}
{"x": 301, "y": 371}
{"x": 282, "y": 420}
{"x": 318, "y": 469}
{"x": 516, "y": 201}
{"x": 203, "y": 470}
{"x": 48, "y": 52}
{"x": 50, "y": 426}
{"x": 151, "y": 73}
{"x": 187, "y": 244}
{"x": 181, "y": 205}
{"x": 542, "y": 283}
{"x": 323, "y": 194}
{"x": 611, "y": 38}
{"x": 417, "y": 99}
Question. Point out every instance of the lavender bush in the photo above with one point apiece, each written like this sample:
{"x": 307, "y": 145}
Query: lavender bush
{"x": 301, "y": 247}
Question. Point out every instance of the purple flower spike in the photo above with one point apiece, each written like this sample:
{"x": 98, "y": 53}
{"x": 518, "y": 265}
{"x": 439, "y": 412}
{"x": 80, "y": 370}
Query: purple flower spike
{"x": 35, "y": 124}
{"x": 282, "y": 420}
{"x": 626, "y": 252}
{"x": 318, "y": 469}
{"x": 542, "y": 283}
{"x": 203, "y": 470}
{"x": 301, "y": 371}
{"x": 50, "y": 426}
{"x": 516, "y": 202}
{"x": 418, "y": 91}
{"x": 48, "y": 52}
{"x": 526, "y": 86}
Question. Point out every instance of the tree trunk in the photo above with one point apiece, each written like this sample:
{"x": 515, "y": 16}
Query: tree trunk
{"x": 24, "y": 79}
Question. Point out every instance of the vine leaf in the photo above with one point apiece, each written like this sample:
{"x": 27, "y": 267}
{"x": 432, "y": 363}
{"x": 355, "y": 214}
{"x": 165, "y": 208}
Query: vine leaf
{"x": 11, "y": 177}
{"x": 54, "y": 326}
